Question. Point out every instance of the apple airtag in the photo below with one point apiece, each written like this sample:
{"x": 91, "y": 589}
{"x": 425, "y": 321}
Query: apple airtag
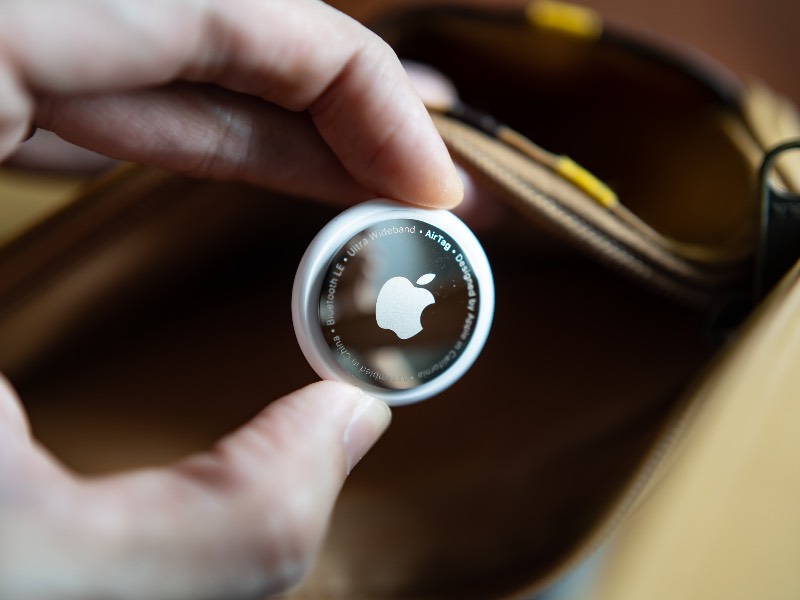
{"x": 396, "y": 300}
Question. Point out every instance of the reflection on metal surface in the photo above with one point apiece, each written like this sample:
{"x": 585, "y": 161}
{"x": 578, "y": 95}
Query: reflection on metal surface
{"x": 398, "y": 304}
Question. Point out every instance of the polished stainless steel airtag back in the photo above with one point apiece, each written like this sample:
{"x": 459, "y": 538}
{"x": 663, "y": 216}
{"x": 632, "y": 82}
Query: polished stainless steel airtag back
{"x": 394, "y": 299}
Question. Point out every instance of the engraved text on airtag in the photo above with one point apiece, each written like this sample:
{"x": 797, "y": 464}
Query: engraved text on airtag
{"x": 398, "y": 304}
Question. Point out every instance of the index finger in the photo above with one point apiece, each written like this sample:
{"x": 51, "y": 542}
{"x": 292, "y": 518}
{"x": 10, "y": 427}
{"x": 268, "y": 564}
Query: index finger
{"x": 299, "y": 54}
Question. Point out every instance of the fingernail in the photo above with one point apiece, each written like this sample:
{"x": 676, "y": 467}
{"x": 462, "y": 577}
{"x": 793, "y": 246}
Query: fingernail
{"x": 370, "y": 419}
{"x": 454, "y": 188}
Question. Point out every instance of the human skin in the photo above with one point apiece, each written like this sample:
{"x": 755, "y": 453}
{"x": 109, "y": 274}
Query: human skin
{"x": 289, "y": 94}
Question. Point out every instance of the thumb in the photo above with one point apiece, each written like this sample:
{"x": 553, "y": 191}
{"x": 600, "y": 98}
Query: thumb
{"x": 276, "y": 481}
{"x": 243, "y": 520}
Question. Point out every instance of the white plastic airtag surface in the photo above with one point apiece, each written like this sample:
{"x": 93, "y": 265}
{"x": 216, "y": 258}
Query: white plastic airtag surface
{"x": 396, "y": 300}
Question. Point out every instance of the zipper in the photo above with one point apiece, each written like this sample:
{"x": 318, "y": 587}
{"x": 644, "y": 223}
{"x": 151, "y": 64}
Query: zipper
{"x": 652, "y": 263}
{"x": 606, "y": 237}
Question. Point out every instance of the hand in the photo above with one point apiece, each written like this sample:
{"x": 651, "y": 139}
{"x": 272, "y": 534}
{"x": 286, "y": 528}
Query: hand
{"x": 289, "y": 94}
{"x": 241, "y": 521}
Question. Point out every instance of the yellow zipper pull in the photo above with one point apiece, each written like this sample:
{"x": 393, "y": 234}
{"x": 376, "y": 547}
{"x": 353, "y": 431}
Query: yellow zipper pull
{"x": 587, "y": 181}
{"x": 578, "y": 21}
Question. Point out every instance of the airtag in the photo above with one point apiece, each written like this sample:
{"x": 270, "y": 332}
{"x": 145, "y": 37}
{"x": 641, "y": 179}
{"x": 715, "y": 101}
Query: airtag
{"x": 394, "y": 299}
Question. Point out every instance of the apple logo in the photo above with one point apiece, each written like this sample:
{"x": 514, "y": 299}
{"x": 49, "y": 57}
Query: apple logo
{"x": 400, "y": 304}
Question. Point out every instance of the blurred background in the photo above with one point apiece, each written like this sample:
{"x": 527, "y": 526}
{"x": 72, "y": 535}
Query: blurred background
{"x": 754, "y": 38}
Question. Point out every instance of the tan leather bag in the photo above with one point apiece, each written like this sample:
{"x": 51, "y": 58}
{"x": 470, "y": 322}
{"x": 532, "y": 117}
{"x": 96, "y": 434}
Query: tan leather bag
{"x": 151, "y": 315}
